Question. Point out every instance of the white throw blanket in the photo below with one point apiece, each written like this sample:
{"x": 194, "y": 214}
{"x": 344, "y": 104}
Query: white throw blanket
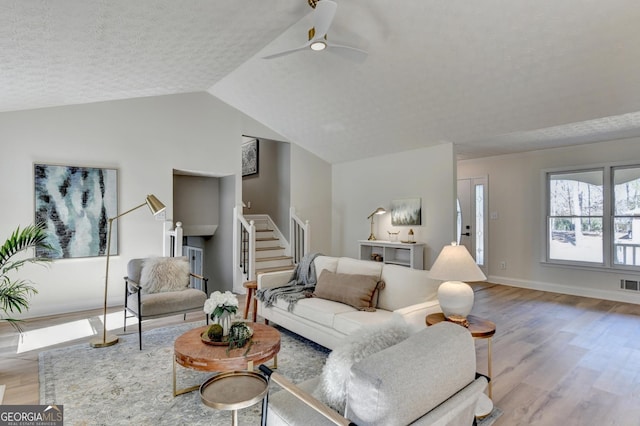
{"x": 300, "y": 285}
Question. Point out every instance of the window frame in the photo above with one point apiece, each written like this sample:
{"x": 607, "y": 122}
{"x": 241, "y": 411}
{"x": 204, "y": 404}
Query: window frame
{"x": 608, "y": 216}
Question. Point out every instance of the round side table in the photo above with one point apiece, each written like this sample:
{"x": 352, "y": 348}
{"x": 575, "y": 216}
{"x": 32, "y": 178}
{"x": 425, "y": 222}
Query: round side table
{"x": 479, "y": 328}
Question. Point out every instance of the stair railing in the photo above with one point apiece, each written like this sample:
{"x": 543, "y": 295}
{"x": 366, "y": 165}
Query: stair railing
{"x": 172, "y": 239}
{"x": 246, "y": 247}
{"x": 299, "y": 233}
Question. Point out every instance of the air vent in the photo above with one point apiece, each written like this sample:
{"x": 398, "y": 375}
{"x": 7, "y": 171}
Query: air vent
{"x": 632, "y": 285}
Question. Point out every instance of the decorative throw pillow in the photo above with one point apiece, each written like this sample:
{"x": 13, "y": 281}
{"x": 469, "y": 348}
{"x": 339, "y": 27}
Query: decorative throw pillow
{"x": 351, "y": 289}
{"x": 332, "y": 387}
{"x": 160, "y": 274}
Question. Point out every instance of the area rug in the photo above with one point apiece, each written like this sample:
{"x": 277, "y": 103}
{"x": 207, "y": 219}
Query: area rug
{"x": 121, "y": 385}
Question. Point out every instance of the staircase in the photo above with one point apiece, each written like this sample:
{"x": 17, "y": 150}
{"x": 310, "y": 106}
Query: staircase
{"x": 270, "y": 251}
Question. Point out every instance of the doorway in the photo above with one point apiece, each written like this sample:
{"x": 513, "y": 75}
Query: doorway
{"x": 472, "y": 218}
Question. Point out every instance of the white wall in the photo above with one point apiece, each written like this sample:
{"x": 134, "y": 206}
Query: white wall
{"x": 517, "y": 236}
{"x": 311, "y": 195}
{"x": 145, "y": 139}
{"x": 359, "y": 187}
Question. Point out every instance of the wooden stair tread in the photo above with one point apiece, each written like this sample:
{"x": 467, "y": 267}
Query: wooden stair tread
{"x": 266, "y": 259}
{"x": 275, "y": 269}
{"x": 269, "y": 248}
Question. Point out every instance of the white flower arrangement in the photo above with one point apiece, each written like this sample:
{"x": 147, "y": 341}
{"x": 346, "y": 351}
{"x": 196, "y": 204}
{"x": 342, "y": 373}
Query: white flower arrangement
{"x": 219, "y": 303}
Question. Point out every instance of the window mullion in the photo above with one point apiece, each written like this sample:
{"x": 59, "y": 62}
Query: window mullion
{"x": 608, "y": 236}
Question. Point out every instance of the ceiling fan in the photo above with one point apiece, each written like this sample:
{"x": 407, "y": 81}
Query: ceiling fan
{"x": 324, "y": 12}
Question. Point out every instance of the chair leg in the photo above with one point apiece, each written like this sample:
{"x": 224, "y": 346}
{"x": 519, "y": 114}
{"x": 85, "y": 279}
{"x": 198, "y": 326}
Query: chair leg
{"x": 255, "y": 309}
{"x": 125, "y": 319}
{"x": 140, "y": 331}
{"x": 184, "y": 318}
{"x": 247, "y": 303}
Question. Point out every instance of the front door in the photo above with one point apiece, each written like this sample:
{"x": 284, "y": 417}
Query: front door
{"x": 472, "y": 218}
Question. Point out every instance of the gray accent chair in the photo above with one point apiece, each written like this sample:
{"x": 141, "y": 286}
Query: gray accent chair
{"x": 428, "y": 379}
{"x": 155, "y": 305}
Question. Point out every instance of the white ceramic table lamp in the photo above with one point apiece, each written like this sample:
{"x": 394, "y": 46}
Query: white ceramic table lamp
{"x": 455, "y": 265}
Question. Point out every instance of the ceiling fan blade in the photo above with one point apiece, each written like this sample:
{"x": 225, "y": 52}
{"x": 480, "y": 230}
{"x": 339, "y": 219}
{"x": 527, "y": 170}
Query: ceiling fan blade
{"x": 353, "y": 52}
{"x": 287, "y": 52}
{"x": 323, "y": 17}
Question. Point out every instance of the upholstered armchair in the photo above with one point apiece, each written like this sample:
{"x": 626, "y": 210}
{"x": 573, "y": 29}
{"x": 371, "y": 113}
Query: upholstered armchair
{"x": 159, "y": 287}
{"x": 427, "y": 379}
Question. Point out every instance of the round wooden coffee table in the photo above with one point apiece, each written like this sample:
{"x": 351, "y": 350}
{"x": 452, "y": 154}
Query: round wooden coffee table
{"x": 191, "y": 352}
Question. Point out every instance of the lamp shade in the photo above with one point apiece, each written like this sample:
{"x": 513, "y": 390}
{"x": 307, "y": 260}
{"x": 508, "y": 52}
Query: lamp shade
{"x": 453, "y": 265}
{"x": 379, "y": 210}
{"x": 156, "y": 206}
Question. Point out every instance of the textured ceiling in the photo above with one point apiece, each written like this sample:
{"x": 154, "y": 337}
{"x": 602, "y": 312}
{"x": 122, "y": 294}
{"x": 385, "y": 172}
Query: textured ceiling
{"x": 492, "y": 77}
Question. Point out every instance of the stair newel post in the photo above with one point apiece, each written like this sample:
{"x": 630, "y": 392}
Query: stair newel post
{"x": 252, "y": 251}
{"x": 292, "y": 234}
{"x": 307, "y": 234}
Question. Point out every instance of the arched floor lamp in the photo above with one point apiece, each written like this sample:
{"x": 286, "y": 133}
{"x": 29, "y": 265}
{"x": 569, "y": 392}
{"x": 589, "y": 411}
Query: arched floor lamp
{"x": 156, "y": 207}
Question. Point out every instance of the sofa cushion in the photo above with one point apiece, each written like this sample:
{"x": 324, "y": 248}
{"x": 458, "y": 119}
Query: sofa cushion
{"x": 405, "y": 286}
{"x": 352, "y": 289}
{"x": 440, "y": 360}
{"x": 348, "y": 322}
{"x": 325, "y": 262}
{"x": 347, "y": 265}
{"x": 321, "y": 311}
{"x": 167, "y": 302}
{"x": 332, "y": 389}
{"x": 161, "y": 274}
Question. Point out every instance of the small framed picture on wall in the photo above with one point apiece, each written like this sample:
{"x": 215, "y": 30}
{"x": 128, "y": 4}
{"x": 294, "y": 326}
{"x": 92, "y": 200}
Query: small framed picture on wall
{"x": 250, "y": 158}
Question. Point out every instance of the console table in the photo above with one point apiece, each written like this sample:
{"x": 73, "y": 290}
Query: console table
{"x": 396, "y": 253}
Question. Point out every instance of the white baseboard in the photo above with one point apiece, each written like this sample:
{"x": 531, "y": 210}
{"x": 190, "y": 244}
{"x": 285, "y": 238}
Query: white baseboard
{"x": 2, "y": 388}
{"x": 613, "y": 295}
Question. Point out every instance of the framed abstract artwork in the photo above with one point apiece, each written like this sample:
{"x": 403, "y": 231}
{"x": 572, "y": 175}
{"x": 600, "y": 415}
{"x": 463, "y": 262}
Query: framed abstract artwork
{"x": 250, "y": 158}
{"x": 406, "y": 212}
{"x": 75, "y": 204}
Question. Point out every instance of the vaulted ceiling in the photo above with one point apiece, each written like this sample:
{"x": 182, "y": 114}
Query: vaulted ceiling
{"x": 491, "y": 76}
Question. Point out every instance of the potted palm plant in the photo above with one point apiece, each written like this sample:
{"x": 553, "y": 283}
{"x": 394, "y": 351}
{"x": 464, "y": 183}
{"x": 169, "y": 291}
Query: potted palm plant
{"x": 15, "y": 293}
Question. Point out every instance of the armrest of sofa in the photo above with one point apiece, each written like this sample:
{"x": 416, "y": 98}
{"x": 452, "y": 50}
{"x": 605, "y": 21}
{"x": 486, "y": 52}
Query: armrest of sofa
{"x": 273, "y": 279}
{"x": 415, "y": 315}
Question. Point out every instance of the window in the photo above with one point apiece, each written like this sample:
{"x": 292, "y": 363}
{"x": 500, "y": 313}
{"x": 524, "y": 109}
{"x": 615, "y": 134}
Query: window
{"x": 626, "y": 216}
{"x": 576, "y": 216}
{"x": 593, "y": 216}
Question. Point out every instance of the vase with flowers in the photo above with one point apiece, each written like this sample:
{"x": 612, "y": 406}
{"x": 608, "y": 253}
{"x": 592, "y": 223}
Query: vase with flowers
{"x": 220, "y": 307}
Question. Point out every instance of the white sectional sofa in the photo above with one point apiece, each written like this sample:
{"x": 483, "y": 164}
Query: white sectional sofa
{"x": 409, "y": 293}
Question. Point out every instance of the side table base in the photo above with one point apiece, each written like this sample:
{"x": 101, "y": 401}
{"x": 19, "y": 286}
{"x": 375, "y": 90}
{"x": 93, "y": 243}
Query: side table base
{"x": 484, "y": 406}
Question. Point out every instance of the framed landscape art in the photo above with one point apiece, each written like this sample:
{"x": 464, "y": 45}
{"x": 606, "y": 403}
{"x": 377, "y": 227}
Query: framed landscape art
{"x": 406, "y": 212}
{"x": 75, "y": 203}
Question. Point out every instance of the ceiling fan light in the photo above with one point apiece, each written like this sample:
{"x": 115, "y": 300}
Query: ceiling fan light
{"x": 318, "y": 45}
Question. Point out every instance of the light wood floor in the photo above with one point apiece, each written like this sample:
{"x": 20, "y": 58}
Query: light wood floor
{"x": 557, "y": 359}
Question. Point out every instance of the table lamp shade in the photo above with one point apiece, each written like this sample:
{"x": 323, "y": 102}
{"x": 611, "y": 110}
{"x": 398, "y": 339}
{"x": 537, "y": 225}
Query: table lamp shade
{"x": 455, "y": 265}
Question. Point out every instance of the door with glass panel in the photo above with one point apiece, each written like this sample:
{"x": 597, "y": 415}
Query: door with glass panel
{"x": 472, "y": 218}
